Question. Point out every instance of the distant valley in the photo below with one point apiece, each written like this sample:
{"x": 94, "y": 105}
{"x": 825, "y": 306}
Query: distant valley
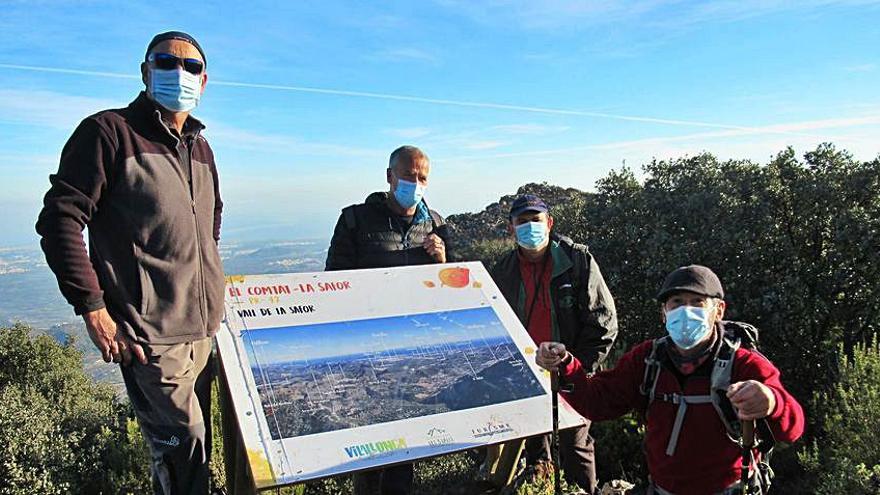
{"x": 29, "y": 293}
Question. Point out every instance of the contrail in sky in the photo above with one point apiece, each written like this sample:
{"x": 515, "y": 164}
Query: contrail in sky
{"x": 421, "y": 99}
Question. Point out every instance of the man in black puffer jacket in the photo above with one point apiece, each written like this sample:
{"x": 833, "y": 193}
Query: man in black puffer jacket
{"x": 393, "y": 228}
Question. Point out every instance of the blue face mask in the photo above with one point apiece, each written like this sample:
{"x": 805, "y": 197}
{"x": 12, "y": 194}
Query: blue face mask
{"x": 531, "y": 235}
{"x": 176, "y": 90}
{"x": 688, "y": 325}
{"x": 408, "y": 194}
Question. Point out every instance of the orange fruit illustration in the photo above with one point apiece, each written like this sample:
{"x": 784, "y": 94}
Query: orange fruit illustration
{"x": 455, "y": 277}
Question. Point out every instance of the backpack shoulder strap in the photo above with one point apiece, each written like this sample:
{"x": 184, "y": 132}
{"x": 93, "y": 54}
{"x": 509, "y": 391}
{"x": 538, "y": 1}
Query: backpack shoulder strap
{"x": 652, "y": 369}
{"x": 722, "y": 371}
{"x": 746, "y": 333}
{"x": 350, "y": 216}
{"x": 436, "y": 218}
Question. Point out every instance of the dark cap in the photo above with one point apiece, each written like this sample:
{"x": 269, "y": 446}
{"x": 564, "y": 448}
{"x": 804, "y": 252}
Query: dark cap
{"x": 175, "y": 35}
{"x": 693, "y": 278}
{"x": 527, "y": 202}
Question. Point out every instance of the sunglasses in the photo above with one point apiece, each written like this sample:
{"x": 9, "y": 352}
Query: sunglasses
{"x": 167, "y": 61}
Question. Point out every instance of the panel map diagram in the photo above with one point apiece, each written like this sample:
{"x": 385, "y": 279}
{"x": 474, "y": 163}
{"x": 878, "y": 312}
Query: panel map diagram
{"x": 332, "y": 376}
{"x": 345, "y": 371}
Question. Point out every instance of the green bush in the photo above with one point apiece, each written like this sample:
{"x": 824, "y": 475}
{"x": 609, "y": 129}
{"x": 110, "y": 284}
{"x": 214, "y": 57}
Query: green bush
{"x": 796, "y": 243}
{"x": 619, "y": 453}
{"x": 487, "y": 251}
{"x": 845, "y": 455}
{"x": 62, "y": 433}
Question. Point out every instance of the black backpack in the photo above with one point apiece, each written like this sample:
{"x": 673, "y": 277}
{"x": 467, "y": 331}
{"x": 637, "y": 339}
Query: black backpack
{"x": 735, "y": 334}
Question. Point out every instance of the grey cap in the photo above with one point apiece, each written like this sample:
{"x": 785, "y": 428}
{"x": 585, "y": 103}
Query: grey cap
{"x": 692, "y": 278}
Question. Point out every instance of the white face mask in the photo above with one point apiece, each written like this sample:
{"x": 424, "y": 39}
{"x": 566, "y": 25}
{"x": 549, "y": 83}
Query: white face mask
{"x": 408, "y": 194}
{"x": 531, "y": 235}
{"x": 177, "y": 90}
{"x": 688, "y": 325}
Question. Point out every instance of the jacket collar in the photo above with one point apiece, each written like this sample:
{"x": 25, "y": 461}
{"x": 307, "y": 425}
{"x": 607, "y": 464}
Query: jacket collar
{"x": 561, "y": 261}
{"x": 377, "y": 197}
{"x": 148, "y": 110}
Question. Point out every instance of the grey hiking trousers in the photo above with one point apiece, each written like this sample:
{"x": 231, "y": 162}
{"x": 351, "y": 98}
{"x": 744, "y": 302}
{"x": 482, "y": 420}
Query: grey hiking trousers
{"x": 171, "y": 396}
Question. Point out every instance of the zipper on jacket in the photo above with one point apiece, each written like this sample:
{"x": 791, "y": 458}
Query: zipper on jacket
{"x": 203, "y": 296}
{"x": 404, "y": 237}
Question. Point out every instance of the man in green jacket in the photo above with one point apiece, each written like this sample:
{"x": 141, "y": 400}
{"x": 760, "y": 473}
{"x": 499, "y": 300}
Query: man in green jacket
{"x": 558, "y": 292}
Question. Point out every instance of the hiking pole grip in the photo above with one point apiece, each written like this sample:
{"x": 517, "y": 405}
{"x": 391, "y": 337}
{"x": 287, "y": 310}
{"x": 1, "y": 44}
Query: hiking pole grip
{"x": 748, "y": 442}
{"x": 554, "y": 439}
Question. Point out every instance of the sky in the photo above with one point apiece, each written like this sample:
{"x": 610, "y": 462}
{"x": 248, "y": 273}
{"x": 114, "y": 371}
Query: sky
{"x": 306, "y": 100}
{"x": 278, "y": 345}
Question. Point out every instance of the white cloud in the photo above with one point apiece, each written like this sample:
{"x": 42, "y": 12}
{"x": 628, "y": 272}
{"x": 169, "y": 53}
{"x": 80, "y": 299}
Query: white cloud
{"x": 777, "y": 134}
{"x": 483, "y": 145}
{"x": 405, "y": 54}
{"x": 49, "y": 108}
{"x": 421, "y": 99}
{"x": 17, "y": 161}
{"x": 409, "y": 132}
{"x": 530, "y": 129}
{"x": 380, "y": 22}
{"x": 222, "y": 135}
{"x": 673, "y": 14}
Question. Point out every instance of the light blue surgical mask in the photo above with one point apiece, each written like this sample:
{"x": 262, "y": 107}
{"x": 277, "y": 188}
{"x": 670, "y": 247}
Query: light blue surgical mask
{"x": 688, "y": 325}
{"x": 408, "y": 194}
{"x": 177, "y": 90}
{"x": 531, "y": 235}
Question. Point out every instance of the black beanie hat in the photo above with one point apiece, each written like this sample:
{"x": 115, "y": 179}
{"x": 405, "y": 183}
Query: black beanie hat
{"x": 692, "y": 278}
{"x": 175, "y": 35}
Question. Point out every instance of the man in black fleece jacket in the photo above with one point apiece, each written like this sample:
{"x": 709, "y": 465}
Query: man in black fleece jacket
{"x": 142, "y": 179}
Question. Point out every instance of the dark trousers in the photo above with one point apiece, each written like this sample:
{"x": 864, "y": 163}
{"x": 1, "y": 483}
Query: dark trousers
{"x": 577, "y": 453}
{"x": 171, "y": 397}
{"x": 395, "y": 480}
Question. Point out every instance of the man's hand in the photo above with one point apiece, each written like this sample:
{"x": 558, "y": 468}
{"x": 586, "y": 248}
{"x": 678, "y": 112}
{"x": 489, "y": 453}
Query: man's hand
{"x": 751, "y": 399}
{"x": 113, "y": 345}
{"x": 435, "y": 247}
{"x": 550, "y": 355}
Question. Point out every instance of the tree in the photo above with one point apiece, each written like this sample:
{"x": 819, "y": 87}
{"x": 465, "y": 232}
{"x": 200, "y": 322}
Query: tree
{"x": 845, "y": 456}
{"x": 62, "y": 433}
{"x": 795, "y": 242}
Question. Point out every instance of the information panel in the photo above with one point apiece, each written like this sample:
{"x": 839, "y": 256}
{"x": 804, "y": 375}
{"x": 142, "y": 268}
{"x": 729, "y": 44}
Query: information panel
{"x": 342, "y": 371}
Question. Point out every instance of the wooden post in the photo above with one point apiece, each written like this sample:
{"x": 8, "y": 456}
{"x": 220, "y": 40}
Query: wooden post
{"x": 502, "y": 469}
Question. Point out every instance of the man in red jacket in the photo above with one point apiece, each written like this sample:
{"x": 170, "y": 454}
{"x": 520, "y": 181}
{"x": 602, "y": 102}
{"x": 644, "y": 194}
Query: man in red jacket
{"x": 688, "y": 441}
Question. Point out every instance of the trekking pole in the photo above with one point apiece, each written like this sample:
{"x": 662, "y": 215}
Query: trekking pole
{"x": 748, "y": 442}
{"x": 554, "y": 439}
